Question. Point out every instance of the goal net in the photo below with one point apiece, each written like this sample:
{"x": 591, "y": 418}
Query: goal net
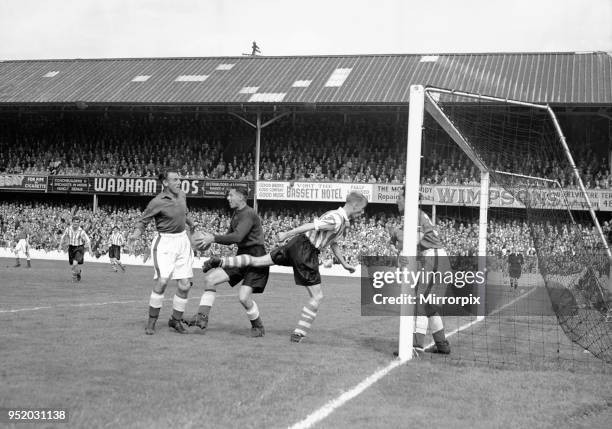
{"x": 547, "y": 296}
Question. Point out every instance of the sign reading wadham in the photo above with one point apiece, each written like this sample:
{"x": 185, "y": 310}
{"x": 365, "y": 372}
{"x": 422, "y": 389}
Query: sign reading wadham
{"x": 152, "y": 186}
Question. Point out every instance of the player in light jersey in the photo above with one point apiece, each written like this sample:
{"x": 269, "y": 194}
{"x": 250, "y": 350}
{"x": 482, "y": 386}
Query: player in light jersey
{"x": 434, "y": 258}
{"x": 302, "y": 253}
{"x": 22, "y": 248}
{"x": 116, "y": 241}
{"x": 77, "y": 240}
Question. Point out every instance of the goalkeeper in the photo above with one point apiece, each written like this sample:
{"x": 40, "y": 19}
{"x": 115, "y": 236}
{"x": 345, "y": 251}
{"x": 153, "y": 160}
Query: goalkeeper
{"x": 246, "y": 231}
{"x": 434, "y": 258}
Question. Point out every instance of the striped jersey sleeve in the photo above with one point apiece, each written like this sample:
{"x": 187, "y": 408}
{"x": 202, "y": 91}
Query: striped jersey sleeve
{"x": 324, "y": 237}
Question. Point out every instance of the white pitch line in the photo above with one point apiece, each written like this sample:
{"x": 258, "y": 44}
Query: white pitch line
{"x": 89, "y": 304}
{"x": 321, "y": 413}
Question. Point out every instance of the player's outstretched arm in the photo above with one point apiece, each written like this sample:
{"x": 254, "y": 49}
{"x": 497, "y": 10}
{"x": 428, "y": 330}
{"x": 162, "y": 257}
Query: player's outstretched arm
{"x": 336, "y": 251}
{"x": 304, "y": 228}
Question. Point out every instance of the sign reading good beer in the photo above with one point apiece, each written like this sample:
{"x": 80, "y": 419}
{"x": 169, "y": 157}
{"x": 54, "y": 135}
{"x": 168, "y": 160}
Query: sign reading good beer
{"x": 310, "y": 191}
{"x": 23, "y": 182}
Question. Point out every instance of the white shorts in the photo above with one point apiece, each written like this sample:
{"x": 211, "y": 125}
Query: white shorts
{"x": 172, "y": 256}
{"x": 22, "y": 247}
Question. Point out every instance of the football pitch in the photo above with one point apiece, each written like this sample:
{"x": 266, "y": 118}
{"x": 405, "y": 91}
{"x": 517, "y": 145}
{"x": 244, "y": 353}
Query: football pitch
{"x": 82, "y": 347}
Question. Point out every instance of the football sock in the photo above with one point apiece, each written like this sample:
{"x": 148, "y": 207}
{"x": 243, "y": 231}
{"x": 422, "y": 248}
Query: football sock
{"x": 420, "y": 331}
{"x": 439, "y": 336}
{"x": 418, "y": 340}
{"x": 155, "y": 304}
{"x": 178, "y": 307}
{"x": 253, "y": 315}
{"x": 236, "y": 261}
{"x": 207, "y": 301}
{"x": 435, "y": 323}
{"x": 309, "y": 314}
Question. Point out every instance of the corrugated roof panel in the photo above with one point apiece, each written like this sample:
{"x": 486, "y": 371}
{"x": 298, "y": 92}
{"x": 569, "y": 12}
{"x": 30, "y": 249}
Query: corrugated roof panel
{"x": 544, "y": 78}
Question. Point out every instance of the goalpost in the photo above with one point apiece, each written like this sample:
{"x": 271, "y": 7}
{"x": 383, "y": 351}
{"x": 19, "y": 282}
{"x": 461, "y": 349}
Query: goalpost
{"x": 491, "y": 131}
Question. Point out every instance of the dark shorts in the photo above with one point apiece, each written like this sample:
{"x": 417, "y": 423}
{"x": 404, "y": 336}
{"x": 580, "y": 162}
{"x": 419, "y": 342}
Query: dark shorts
{"x": 515, "y": 272}
{"x": 300, "y": 254}
{"x": 114, "y": 252}
{"x": 75, "y": 253}
{"x": 255, "y": 277}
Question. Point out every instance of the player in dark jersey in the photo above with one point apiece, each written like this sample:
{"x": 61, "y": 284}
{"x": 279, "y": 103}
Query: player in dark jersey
{"x": 301, "y": 253}
{"x": 434, "y": 257}
{"x": 246, "y": 231}
{"x": 515, "y": 267}
{"x": 171, "y": 249}
{"x": 22, "y": 247}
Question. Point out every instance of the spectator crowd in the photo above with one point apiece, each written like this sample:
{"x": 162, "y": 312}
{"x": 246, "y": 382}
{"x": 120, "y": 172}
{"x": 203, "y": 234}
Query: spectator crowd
{"x": 368, "y": 235}
{"x": 306, "y": 148}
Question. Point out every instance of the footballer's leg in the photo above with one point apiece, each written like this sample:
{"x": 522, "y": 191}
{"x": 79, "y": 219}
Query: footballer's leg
{"x": 179, "y": 302}
{"x": 437, "y": 328}
{"x": 239, "y": 261}
{"x": 252, "y": 310}
{"x": 75, "y": 271}
{"x": 155, "y": 304}
{"x": 211, "y": 280}
{"x": 309, "y": 313}
{"x": 29, "y": 265}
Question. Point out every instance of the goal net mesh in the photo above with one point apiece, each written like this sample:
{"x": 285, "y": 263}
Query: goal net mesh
{"x": 537, "y": 209}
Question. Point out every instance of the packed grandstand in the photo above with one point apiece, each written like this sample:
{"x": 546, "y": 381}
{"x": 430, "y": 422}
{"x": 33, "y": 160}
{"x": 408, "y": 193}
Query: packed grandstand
{"x": 362, "y": 149}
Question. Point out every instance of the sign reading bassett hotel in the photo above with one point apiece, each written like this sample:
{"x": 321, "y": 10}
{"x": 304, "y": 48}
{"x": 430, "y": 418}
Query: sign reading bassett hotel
{"x": 310, "y": 191}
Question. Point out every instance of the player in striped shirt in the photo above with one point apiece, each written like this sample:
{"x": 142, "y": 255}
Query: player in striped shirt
{"x": 434, "y": 257}
{"x": 77, "y": 239}
{"x": 114, "y": 251}
{"x": 302, "y": 253}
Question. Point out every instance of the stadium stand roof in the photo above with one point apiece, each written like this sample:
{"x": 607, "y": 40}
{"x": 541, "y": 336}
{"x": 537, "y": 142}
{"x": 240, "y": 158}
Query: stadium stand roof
{"x": 555, "y": 78}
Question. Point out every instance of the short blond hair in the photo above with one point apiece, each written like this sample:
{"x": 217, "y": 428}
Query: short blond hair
{"x": 355, "y": 196}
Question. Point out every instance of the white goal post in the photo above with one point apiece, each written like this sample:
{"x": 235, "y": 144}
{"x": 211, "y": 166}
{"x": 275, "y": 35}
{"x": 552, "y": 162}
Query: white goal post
{"x": 423, "y": 100}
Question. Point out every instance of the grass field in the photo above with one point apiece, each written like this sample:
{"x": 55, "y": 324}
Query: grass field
{"x": 82, "y": 347}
